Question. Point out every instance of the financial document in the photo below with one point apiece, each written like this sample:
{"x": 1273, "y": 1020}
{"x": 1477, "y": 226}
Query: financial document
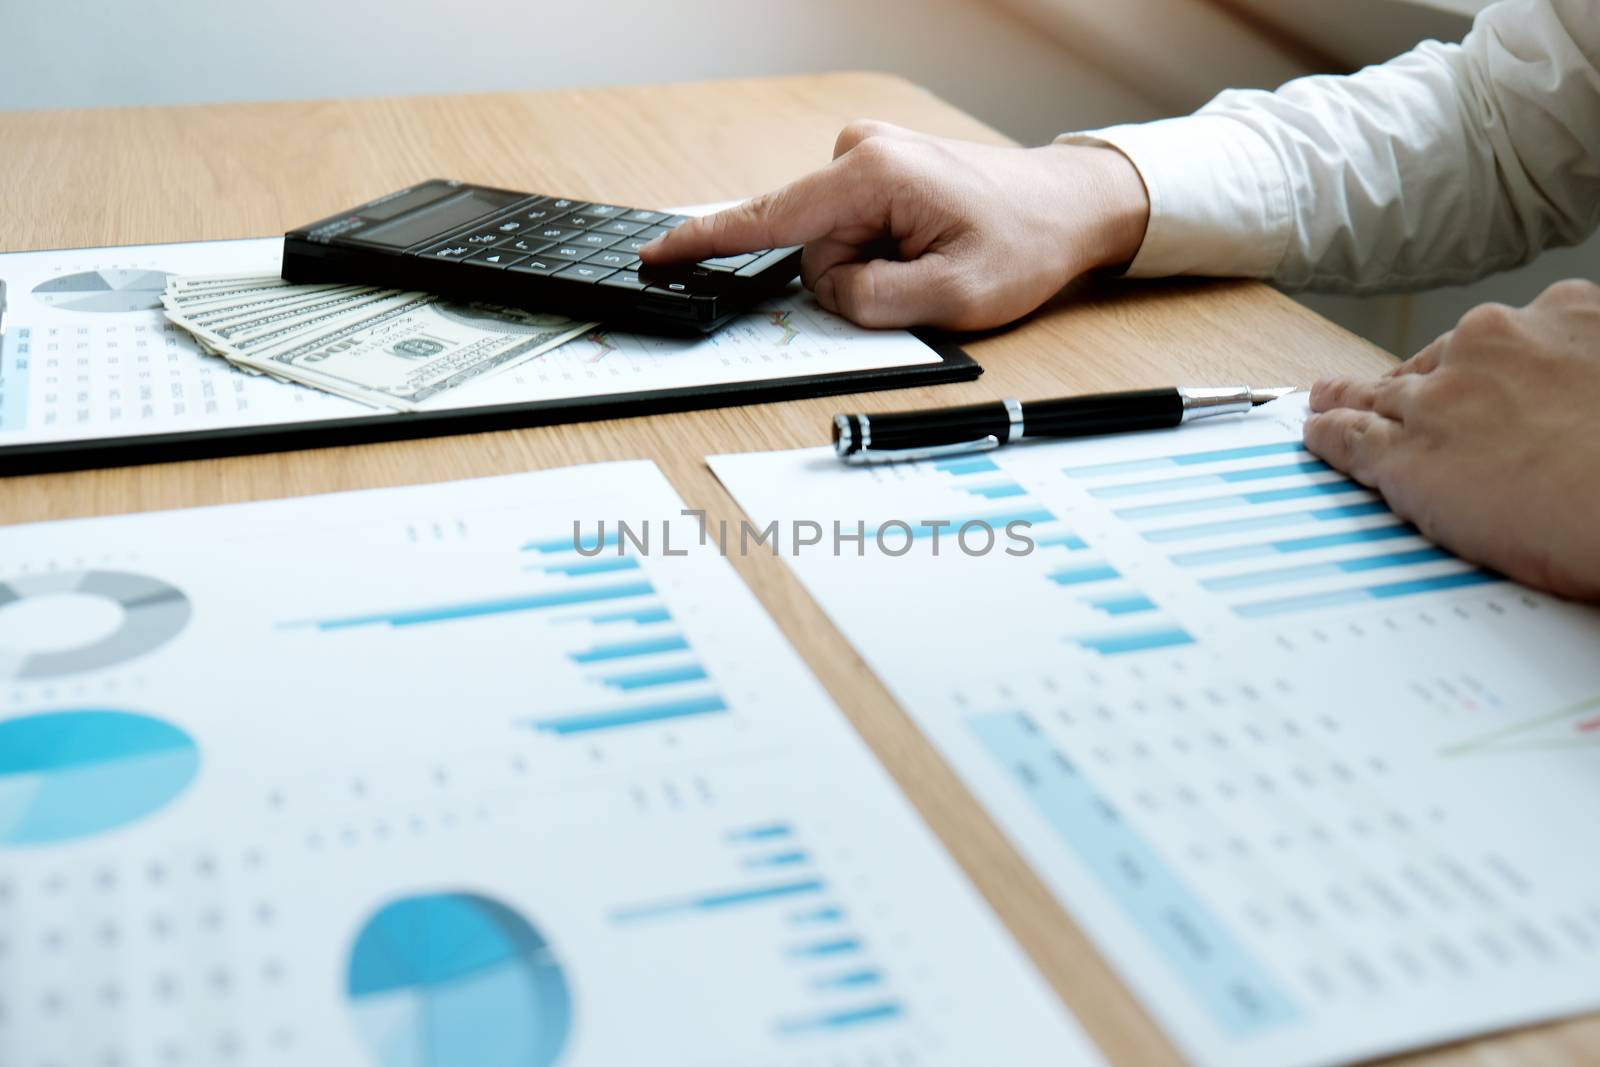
{"x": 87, "y": 352}
{"x": 422, "y": 778}
{"x": 1319, "y": 789}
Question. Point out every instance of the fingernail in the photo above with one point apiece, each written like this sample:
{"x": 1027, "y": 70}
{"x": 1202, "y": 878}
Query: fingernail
{"x": 824, "y": 292}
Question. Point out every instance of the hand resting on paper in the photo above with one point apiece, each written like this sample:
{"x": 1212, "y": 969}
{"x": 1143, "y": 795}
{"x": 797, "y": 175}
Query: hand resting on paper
{"x": 1488, "y": 439}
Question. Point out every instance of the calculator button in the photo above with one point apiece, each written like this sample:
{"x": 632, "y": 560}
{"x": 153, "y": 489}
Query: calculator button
{"x": 527, "y": 245}
{"x": 557, "y": 234}
{"x": 672, "y": 222}
{"x": 582, "y": 220}
{"x": 671, "y": 290}
{"x": 449, "y": 250}
{"x": 506, "y": 226}
{"x": 541, "y": 216}
{"x": 724, "y": 263}
{"x": 539, "y": 265}
{"x": 485, "y": 238}
{"x": 563, "y": 205}
{"x": 624, "y": 279}
{"x": 586, "y": 272}
{"x": 568, "y": 252}
{"x": 614, "y": 258}
{"x": 643, "y": 218}
{"x": 494, "y": 257}
{"x": 604, "y": 211}
{"x": 632, "y": 244}
{"x": 621, "y": 227}
{"x": 596, "y": 239}
{"x": 651, "y": 233}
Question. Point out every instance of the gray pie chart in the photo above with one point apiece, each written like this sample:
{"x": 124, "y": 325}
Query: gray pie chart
{"x": 153, "y": 613}
{"x": 114, "y": 290}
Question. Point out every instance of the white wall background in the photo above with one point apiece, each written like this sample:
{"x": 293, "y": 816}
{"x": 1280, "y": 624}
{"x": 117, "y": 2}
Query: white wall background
{"x": 84, "y": 53}
{"x": 1031, "y": 68}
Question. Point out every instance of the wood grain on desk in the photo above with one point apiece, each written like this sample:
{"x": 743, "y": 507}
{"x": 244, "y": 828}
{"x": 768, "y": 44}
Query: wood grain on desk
{"x": 144, "y": 175}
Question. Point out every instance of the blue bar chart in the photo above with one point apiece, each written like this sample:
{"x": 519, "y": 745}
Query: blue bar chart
{"x": 1273, "y": 531}
{"x": 1103, "y": 611}
{"x": 830, "y": 974}
{"x": 600, "y": 623}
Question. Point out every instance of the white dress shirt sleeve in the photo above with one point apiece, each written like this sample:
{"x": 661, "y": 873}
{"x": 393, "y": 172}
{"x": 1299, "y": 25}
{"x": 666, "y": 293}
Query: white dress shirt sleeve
{"x": 1438, "y": 167}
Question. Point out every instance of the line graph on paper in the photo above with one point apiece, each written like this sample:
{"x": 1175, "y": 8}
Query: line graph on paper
{"x": 1576, "y": 726}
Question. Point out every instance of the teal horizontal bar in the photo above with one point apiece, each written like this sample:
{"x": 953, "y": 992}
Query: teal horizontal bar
{"x": 1130, "y": 604}
{"x": 1289, "y": 546}
{"x": 1070, "y": 542}
{"x": 781, "y": 859}
{"x": 1187, "y": 459}
{"x": 1434, "y": 585}
{"x": 593, "y": 566}
{"x": 643, "y": 616}
{"x": 998, "y": 492}
{"x": 1261, "y": 496}
{"x": 1092, "y": 572}
{"x": 1140, "y": 641}
{"x": 838, "y": 947}
{"x": 623, "y": 717}
{"x": 818, "y": 915}
{"x": 626, "y": 649}
{"x": 767, "y": 832}
{"x": 475, "y": 608}
{"x": 572, "y": 544}
{"x": 714, "y": 901}
{"x": 1194, "y": 481}
{"x": 967, "y": 465}
{"x": 1265, "y": 522}
{"x": 1342, "y": 597}
{"x": 996, "y": 520}
{"x": 849, "y": 980}
{"x": 841, "y": 1020}
{"x": 689, "y": 672}
{"x": 1330, "y": 569}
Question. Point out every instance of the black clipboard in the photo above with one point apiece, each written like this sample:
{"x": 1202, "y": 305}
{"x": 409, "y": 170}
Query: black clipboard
{"x": 953, "y": 365}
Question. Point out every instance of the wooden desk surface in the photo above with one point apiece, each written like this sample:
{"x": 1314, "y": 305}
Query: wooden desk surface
{"x": 127, "y": 176}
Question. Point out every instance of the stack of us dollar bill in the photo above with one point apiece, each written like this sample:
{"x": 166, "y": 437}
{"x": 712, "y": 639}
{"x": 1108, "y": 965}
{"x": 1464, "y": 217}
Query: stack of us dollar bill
{"x": 381, "y": 346}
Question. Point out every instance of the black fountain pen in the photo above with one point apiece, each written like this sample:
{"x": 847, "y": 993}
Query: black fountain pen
{"x": 906, "y": 435}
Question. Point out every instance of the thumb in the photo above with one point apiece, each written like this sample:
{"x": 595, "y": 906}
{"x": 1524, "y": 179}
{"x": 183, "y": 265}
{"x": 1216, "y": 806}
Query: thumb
{"x": 887, "y": 293}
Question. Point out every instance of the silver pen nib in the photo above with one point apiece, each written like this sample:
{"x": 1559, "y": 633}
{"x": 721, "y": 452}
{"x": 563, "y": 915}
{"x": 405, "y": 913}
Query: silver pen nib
{"x": 1266, "y": 396}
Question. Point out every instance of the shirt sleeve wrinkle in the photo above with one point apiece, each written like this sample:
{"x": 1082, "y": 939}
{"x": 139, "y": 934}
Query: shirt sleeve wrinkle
{"x": 1442, "y": 165}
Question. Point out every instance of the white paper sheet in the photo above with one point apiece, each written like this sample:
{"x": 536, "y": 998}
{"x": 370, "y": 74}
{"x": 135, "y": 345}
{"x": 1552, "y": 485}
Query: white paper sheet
{"x": 401, "y": 778}
{"x": 87, "y": 353}
{"x": 1317, "y": 788}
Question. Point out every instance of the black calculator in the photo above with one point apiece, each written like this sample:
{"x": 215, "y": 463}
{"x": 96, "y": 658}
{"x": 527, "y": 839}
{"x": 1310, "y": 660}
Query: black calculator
{"x": 543, "y": 253}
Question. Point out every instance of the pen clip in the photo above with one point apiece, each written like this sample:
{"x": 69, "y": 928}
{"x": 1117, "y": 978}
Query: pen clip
{"x": 863, "y": 456}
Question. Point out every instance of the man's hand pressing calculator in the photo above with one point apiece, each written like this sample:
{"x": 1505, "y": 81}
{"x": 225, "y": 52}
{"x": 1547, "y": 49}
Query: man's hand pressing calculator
{"x": 544, "y": 253}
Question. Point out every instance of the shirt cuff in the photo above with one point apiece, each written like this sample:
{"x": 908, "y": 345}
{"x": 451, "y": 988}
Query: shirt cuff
{"x": 1219, "y": 198}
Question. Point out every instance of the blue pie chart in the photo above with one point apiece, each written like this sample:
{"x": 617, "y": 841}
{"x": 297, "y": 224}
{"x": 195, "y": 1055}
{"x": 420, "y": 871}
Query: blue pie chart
{"x": 69, "y": 774}
{"x": 457, "y": 980}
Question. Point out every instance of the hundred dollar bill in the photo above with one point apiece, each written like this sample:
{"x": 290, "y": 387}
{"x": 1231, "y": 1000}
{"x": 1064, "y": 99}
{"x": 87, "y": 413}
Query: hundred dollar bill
{"x": 399, "y": 350}
{"x": 256, "y": 323}
{"x": 192, "y": 288}
{"x": 413, "y": 348}
{"x": 224, "y": 327}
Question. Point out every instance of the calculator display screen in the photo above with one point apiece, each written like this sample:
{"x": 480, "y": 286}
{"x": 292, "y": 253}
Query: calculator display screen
{"x": 439, "y": 218}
